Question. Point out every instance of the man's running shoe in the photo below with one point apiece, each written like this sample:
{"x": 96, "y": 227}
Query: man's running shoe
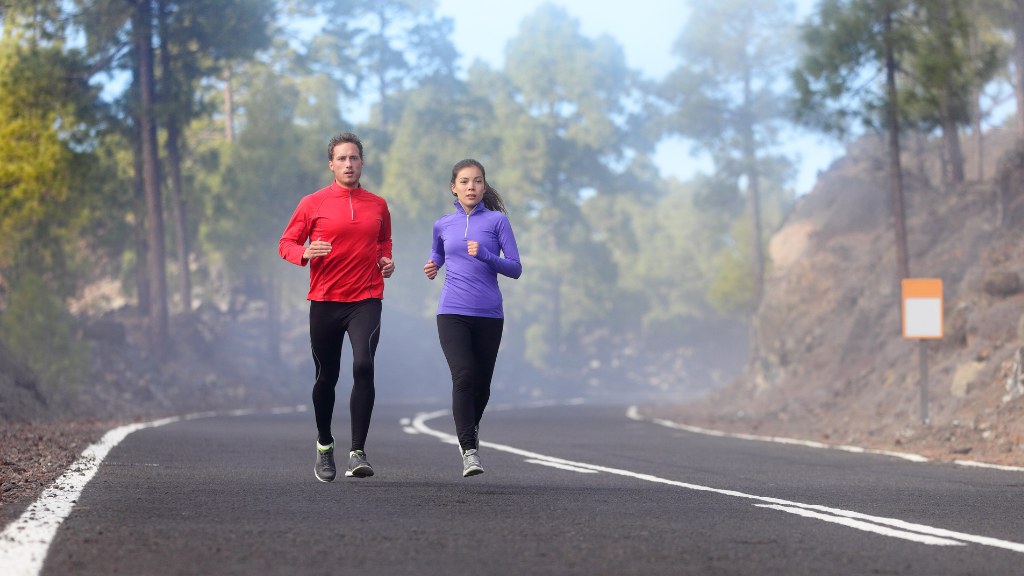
{"x": 471, "y": 463}
{"x": 357, "y": 465}
{"x": 324, "y": 468}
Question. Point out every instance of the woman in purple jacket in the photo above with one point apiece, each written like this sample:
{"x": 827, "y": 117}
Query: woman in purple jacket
{"x": 477, "y": 243}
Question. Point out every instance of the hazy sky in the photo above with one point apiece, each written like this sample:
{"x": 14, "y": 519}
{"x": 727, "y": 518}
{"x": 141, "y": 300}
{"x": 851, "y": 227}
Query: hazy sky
{"x": 646, "y": 30}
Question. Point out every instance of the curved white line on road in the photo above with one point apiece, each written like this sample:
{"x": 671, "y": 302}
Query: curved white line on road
{"x": 973, "y": 464}
{"x": 866, "y": 526}
{"x": 633, "y": 413}
{"x": 24, "y": 542}
{"x": 880, "y": 522}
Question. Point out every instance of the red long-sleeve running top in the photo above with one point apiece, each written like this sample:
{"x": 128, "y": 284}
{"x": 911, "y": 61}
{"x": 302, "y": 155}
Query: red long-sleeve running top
{"x": 357, "y": 224}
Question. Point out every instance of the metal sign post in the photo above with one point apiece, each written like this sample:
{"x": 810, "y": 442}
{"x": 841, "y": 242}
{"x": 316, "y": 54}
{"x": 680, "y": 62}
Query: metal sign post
{"x": 923, "y": 344}
{"x": 922, "y": 321}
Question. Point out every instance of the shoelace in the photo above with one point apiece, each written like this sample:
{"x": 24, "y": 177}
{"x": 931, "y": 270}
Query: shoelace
{"x": 325, "y": 459}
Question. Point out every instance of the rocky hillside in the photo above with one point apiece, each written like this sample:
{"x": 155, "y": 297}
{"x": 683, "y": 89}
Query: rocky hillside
{"x": 830, "y": 363}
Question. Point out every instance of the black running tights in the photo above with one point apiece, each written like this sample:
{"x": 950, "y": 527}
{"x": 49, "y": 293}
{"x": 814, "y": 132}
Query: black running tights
{"x": 328, "y": 323}
{"x": 470, "y": 344}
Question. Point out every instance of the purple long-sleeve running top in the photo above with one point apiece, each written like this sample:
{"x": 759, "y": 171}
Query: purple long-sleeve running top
{"x": 471, "y": 283}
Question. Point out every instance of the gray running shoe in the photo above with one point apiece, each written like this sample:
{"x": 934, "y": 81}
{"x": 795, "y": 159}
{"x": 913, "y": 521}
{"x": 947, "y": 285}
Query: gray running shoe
{"x": 357, "y": 465}
{"x": 471, "y": 463}
{"x": 324, "y": 468}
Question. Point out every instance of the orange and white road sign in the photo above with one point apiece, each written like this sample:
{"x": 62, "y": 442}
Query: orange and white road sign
{"x": 922, "y": 308}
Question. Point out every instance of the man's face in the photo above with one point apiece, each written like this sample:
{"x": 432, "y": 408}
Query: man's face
{"x": 346, "y": 164}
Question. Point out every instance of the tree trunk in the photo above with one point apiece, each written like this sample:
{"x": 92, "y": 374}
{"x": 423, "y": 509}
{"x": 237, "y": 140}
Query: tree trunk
{"x": 919, "y": 155}
{"x": 180, "y": 214}
{"x": 143, "y": 32}
{"x": 1018, "y": 65}
{"x": 979, "y": 142}
{"x": 753, "y": 193}
{"x": 555, "y": 346}
{"x": 556, "y": 294}
{"x": 895, "y": 171}
{"x": 556, "y": 317}
{"x": 754, "y": 197}
{"x": 979, "y": 138}
{"x": 273, "y": 287}
{"x": 950, "y": 124}
{"x": 229, "y": 106}
{"x": 383, "y": 94}
{"x": 173, "y": 146}
{"x": 382, "y": 86}
{"x": 141, "y": 248}
{"x": 954, "y": 153}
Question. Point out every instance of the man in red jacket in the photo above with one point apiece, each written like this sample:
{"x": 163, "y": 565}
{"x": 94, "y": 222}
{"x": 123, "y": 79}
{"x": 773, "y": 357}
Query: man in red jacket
{"x": 349, "y": 255}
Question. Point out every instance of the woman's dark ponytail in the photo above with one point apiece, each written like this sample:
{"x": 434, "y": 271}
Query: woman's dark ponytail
{"x": 492, "y": 200}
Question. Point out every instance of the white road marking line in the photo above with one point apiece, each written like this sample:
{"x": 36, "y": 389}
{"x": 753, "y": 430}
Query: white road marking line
{"x": 419, "y": 423}
{"x": 561, "y": 466}
{"x": 866, "y": 526}
{"x": 904, "y": 525}
{"x": 633, "y": 413}
{"x": 25, "y": 542}
{"x": 973, "y": 464}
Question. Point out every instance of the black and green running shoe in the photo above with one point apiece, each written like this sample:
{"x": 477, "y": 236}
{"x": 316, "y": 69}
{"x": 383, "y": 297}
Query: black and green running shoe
{"x": 357, "y": 465}
{"x": 324, "y": 468}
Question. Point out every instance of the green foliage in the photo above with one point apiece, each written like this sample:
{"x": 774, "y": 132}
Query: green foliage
{"x": 605, "y": 239}
{"x": 663, "y": 248}
{"x": 39, "y": 329}
{"x": 731, "y": 54}
{"x": 839, "y": 80}
{"x": 575, "y": 89}
{"x": 42, "y": 103}
{"x": 538, "y": 347}
{"x": 731, "y": 290}
{"x": 262, "y": 179}
{"x": 948, "y": 63}
{"x": 726, "y": 96}
{"x": 562, "y": 106}
{"x": 197, "y": 38}
{"x": 108, "y": 214}
{"x": 383, "y": 47}
{"x": 440, "y": 125}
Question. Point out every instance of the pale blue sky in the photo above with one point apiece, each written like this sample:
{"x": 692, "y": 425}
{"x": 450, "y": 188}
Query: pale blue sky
{"x": 646, "y": 30}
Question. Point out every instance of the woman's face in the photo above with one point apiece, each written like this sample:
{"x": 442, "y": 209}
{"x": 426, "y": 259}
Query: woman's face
{"x": 469, "y": 187}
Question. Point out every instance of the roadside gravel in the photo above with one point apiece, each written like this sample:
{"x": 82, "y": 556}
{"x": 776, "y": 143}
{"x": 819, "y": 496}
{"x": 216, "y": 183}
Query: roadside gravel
{"x": 33, "y": 455}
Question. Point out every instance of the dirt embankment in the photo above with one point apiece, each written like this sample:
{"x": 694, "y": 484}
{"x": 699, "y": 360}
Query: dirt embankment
{"x": 215, "y": 361}
{"x": 830, "y": 363}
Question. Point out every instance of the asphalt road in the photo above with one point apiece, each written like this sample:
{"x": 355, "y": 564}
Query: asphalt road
{"x": 567, "y": 490}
